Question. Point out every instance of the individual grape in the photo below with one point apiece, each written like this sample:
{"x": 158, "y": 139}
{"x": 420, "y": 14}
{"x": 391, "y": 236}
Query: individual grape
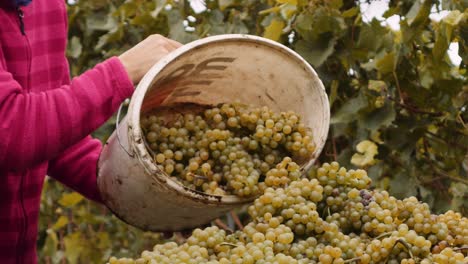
{"x": 160, "y": 158}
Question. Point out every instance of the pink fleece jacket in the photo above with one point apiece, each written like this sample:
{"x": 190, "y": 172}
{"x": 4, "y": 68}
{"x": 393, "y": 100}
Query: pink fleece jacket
{"x": 46, "y": 119}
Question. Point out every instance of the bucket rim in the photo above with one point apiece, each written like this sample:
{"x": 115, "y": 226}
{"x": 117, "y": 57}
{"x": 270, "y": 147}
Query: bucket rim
{"x": 134, "y": 130}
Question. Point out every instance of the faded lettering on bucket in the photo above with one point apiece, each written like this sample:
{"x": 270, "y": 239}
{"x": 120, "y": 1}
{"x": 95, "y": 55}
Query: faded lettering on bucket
{"x": 181, "y": 81}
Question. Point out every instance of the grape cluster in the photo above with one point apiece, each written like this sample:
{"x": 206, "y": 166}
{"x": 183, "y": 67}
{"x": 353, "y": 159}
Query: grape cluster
{"x": 229, "y": 149}
{"x": 447, "y": 255}
{"x": 337, "y": 182}
{"x": 328, "y": 216}
{"x": 359, "y": 226}
{"x": 457, "y": 228}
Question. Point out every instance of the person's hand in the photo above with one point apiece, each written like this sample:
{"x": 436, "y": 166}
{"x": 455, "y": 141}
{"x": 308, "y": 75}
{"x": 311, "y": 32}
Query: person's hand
{"x": 139, "y": 59}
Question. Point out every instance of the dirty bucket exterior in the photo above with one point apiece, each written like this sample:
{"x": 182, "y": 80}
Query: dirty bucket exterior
{"x": 220, "y": 69}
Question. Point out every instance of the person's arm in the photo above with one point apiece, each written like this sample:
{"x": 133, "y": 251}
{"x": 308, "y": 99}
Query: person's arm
{"x": 76, "y": 168}
{"x": 36, "y": 127}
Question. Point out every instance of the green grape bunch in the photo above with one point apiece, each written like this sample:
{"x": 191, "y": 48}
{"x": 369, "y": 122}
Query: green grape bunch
{"x": 229, "y": 149}
{"x": 286, "y": 226}
{"x": 329, "y": 215}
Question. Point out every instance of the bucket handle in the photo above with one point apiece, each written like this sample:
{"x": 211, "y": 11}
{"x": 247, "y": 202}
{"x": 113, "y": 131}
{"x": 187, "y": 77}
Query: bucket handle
{"x": 117, "y": 127}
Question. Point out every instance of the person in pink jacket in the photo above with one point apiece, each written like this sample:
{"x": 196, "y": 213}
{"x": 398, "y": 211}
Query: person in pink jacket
{"x": 46, "y": 118}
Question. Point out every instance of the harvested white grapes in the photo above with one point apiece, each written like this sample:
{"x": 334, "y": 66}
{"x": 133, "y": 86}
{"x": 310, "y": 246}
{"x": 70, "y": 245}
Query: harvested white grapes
{"x": 328, "y": 216}
{"x": 229, "y": 149}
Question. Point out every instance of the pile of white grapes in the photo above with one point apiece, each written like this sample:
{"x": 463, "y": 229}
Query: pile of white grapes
{"x": 327, "y": 216}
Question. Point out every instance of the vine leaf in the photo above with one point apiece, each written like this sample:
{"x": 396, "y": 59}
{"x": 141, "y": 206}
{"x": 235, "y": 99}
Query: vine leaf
{"x": 73, "y": 247}
{"x": 274, "y": 30}
{"x": 316, "y": 52}
{"x": 291, "y": 2}
{"x": 403, "y": 185}
{"x": 367, "y": 151}
{"x": 379, "y": 118}
{"x": 348, "y": 111}
{"x": 61, "y": 222}
{"x": 70, "y": 199}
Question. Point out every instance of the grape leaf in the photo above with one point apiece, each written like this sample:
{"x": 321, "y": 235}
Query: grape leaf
{"x": 51, "y": 243}
{"x": 403, "y": 185}
{"x": 348, "y": 111}
{"x": 291, "y": 2}
{"x": 61, "y": 222}
{"x": 387, "y": 63}
{"x": 315, "y": 52}
{"x": 367, "y": 151}
{"x": 274, "y": 30}
{"x": 70, "y": 199}
{"x": 350, "y": 12}
{"x": 73, "y": 247}
{"x": 379, "y": 118}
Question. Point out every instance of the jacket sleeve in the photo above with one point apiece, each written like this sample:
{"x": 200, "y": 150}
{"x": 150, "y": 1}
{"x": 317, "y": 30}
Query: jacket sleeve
{"x": 37, "y": 127}
{"x": 76, "y": 168}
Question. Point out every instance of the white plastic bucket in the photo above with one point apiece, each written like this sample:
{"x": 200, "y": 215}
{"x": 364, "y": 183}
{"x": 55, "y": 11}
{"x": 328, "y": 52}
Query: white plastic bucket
{"x": 210, "y": 71}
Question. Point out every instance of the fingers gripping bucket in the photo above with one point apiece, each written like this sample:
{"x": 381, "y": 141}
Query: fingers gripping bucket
{"x": 207, "y": 72}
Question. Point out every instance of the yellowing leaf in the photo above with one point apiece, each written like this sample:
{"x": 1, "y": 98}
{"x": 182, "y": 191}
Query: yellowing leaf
{"x": 73, "y": 247}
{"x": 287, "y": 11}
{"x": 104, "y": 241}
{"x": 432, "y": 128}
{"x": 274, "y": 30}
{"x": 398, "y": 38}
{"x": 367, "y": 150}
{"x": 51, "y": 243}
{"x": 70, "y": 199}
{"x": 291, "y": 2}
{"x": 61, "y": 222}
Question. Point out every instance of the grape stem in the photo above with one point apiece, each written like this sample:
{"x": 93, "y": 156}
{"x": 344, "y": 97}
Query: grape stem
{"x": 412, "y": 109}
{"x": 405, "y": 244}
{"x": 352, "y": 260}
{"x": 384, "y": 235}
{"x": 237, "y": 220}
{"x": 326, "y": 210}
{"x": 461, "y": 248}
{"x": 228, "y": 244}
{"x": 221, "y": 224}
{"x": 200, "y": 177}
{"x": 400, "y": 94}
